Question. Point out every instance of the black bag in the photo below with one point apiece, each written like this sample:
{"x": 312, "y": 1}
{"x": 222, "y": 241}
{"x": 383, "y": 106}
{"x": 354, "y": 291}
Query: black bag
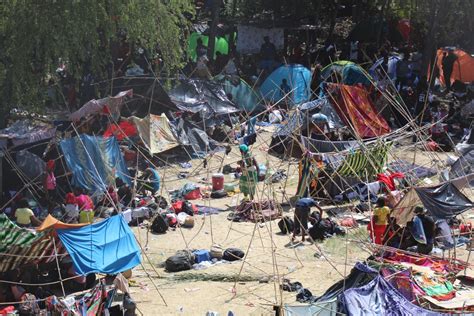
{"x": 321, "y": 229}
{"x": 218, "y": 194}
{"x": 286, "y": 225}
{"x": 159, "y": 225}
{"x": 233, "y": 254}
{"x": 178, "y": 262}
{"x": 187, "y": 208}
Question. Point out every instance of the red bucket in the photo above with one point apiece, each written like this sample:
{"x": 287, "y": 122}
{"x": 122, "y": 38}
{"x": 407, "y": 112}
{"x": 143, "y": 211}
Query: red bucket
{"x": 217, "y": 182}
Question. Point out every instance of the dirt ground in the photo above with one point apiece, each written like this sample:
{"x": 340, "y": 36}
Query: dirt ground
{"x": 249, "y": 287}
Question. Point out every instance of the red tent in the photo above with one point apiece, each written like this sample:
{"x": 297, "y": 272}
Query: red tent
{"x": 122, "y": 130}
{"x": 463, "y": 69}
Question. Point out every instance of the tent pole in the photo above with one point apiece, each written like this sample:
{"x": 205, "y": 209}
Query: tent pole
{"x": 57, "y": 265}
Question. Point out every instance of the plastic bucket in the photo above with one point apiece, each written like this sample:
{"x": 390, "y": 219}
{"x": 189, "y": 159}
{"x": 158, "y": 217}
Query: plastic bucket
{"x": 217, "y": 182}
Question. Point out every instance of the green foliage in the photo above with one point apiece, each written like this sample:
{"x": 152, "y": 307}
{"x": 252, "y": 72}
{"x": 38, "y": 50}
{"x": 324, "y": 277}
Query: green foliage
{"x": 35, "y": 35}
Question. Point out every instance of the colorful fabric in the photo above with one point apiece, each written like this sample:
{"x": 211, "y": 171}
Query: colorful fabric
{"x": 107, "y": 247}
{"x": 368, "y": 161}
{"x": 20, "y": 246}
{"x": 248, "y": 181}
{"x": 442, "y": 290}
{"x": 95, "y": 162}
{"x": 121, "y": 131}
{"x": 389, "y": 179}
{"x": 355, "y": 108}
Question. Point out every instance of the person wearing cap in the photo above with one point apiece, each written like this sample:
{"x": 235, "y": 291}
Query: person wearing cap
{"x": 249, "y": 178}
{"x": 319, "y": 126}
{"x": 301, "y": 217}
{"x": 429, "y": 229}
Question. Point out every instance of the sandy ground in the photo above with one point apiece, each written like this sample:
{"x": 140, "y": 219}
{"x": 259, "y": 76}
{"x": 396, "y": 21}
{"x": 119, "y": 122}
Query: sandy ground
{"x": 250, "y": 287}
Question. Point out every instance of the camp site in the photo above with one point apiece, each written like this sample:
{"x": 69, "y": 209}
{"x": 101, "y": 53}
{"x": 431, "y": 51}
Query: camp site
{"x": 237, "y": 157}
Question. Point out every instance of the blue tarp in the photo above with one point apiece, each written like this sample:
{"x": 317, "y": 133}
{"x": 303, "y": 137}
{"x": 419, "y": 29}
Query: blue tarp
{"x": 95, "y": 162}
{"x": 108, "y": 247}
{"x": 298, "y": 79}
{"x": 346, "y": 72}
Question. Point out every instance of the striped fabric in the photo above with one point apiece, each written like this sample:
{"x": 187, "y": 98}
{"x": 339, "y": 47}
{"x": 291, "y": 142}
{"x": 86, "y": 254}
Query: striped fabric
{"x": 368, "y": 161}
{"x": 20, "y": 246}
{"x": 304, "y": 177}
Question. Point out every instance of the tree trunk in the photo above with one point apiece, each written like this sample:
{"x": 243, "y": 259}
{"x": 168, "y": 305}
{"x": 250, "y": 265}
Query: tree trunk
{"x": 213, "y": 31}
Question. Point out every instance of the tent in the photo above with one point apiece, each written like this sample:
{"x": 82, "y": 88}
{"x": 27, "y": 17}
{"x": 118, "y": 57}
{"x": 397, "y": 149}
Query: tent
{"x": 114, "y": 105}
{"x": 442, "y": 201}
{"x": 222, "y": 46}
{"x": 378, "y": 73}
{"x": 463, "y": 69}
{"x": 346, "y": 72}
{"x": 357, "y": 111}
{"x": 243, "y": 96}
{"x": 155, "y": 132}
{"x": 298, "y": 79}
{"x": 95, "y": 162}
{"x": 206, "y": 97}
{"x": 108, "y": 246}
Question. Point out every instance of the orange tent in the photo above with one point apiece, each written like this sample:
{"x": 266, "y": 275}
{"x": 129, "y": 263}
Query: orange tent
{"x": 463, "y": 69}
{"x": 52, "y": 222}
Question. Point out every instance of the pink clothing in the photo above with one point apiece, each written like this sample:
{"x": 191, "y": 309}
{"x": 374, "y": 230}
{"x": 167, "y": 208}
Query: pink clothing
{"x": 50, "y": 181}
{"x": 84, "y": 202}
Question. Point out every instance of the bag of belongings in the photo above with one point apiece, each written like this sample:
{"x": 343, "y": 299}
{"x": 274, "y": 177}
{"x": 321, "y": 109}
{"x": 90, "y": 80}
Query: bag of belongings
{"x": 286, "y": 225}
{"x": 233, "y": 254}
{"x": 159, "y": 225}
{"x": 217, "y": 252}
{"x": 183, "y": 260}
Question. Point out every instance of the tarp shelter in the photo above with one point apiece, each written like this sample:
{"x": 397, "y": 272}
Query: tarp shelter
{"x": 463, "y": 166}
{"x": 50, "y": 222}
{"x": 191, "y": 136}
{"x": 206, "y": 97}
{"x": 21, "y": 246}
{"x": 95, "y": 162}
{"x": 30, "y": 164}
{"x": 250, "y": 38}
{"x": 113, "y": 104}
{"x": 345, "y": 72}
{"x": 298, "y": 79}
{"x": 106, "y": 247}
{"x": 378, "y": 73}
{"x": 155, "y": 133}
{"x": 25, "y": 132}
{"x": 442, "y": 201}
{"x": 149, "y": 96}
{"x": 355, "y": 108}
{"x": 463, "y": 68}
{"x": 221, "y": 46}
{"x": 243, "y": 96}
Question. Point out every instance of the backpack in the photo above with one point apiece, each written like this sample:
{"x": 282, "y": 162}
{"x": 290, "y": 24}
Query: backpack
{"x": 286, "y": 225}
{"x": 233, "y": 254}
{"x": 178, "y": 262}
{"x": 321, "y": 229}
{"x": 188, "y": 208}
{"x": 159, "y": 225}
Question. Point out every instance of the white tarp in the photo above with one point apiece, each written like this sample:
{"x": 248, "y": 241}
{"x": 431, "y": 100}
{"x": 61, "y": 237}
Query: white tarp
{"x": 250, "y": 38}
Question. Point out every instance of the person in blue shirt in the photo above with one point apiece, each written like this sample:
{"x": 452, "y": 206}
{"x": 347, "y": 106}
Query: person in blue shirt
{"x": 302, "y": 211}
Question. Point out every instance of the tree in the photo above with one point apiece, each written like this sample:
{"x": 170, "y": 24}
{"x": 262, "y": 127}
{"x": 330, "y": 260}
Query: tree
{"x": 35, "y": 35}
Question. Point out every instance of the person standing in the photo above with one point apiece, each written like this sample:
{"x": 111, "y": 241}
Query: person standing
{"x": 50, "y": 181}
{"x": 448, "y": 61}
{"x": 403, "y": 71}
{"x": 249, "y": 178}
{"x": 302, "y": 211}
{"x": 429, "y": 230}
{"x": 268, "y": 55}
{"x": 380, "y": 219}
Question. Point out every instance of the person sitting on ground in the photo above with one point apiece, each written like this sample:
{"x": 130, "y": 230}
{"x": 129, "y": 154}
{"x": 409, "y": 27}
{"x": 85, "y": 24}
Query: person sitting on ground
{"x": 71, "y": 209}
{"x": 124, "y": 192}
{"x": 429, "y": 230}
{"x": 302, "y": 211}
{"x": 379, "y": 222}
{"x": 86, "y": 207}
{"x": 24, "y": 215}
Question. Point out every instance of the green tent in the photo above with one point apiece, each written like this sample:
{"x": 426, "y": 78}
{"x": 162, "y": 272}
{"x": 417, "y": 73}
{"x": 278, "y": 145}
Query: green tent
{"x": 222, "y": 45}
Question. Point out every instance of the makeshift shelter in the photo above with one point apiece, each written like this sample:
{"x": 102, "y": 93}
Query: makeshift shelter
{"x": 298, "y": 79}
{"x": 243, "y": 95}
{"x": 221, "y": 45}
{"x": 95, "y": 162}
{"x": 463, "y": 166}
{"x": 463, "y": 68}
{"x": 250, "y": 38}
{"x": 192, "y": 137}
{"x": 378, "y": 73}
{"x": 442, "y": 201}
{"x": 121, "y": 131}
{"x": 206, "y": 97}
{"x": 155, "y": 133}
{"x": 355, "y": 108}
{"x": 110, "y": 105}
{"x": 106, "y": 247}
{"x": 345, "y": 72}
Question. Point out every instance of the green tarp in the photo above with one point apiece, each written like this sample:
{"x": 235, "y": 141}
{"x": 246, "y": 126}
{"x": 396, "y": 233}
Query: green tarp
{"x": 222, "y": 45}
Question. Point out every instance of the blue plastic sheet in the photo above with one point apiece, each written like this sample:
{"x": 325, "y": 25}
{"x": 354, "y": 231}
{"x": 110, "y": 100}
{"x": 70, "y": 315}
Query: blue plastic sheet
{"x": 95, "y": 162}
{"x": 108, "y": 247}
